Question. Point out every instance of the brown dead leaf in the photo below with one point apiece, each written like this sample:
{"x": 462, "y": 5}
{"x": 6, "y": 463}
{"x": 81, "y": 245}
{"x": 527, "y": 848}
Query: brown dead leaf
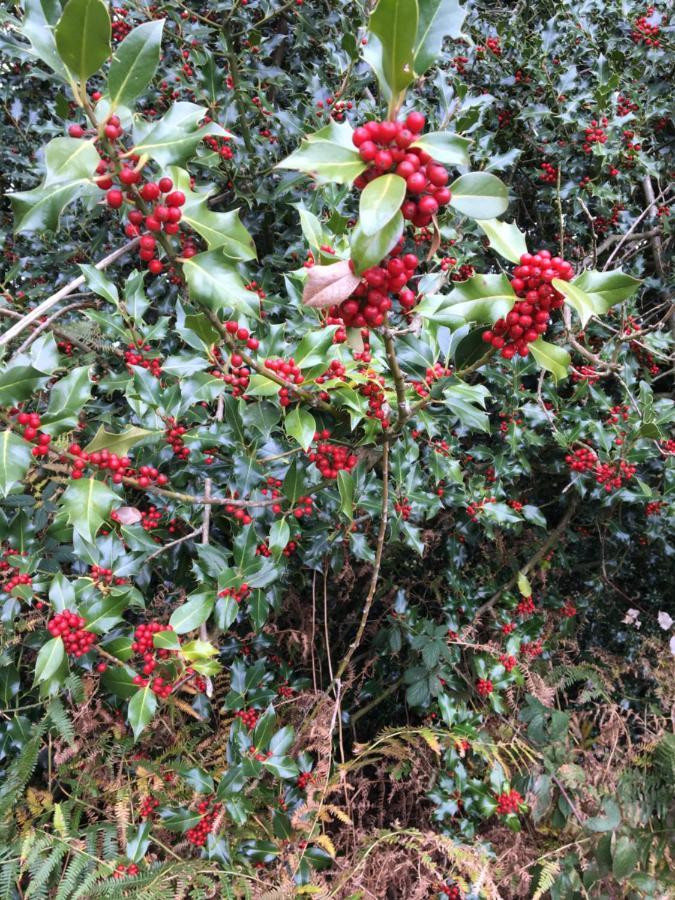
{"x": 329, "y": 285}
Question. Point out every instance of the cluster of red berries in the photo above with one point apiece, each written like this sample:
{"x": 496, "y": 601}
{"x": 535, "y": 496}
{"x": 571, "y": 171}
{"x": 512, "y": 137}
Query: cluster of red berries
{"x": 432, "y": 374}
{"x": 11, "y": 573}
{"x": 568, "y": 610}
{"x": 465, "y": 271}
{"x": 290, "y": 548}
{"x": 144, "y": 642}
{"x": 331, "y": 458}
{"x": 654, "y": 508}
{"x": 122, "y": 871}
{"x": 30, "y": 422}
{"x": 101, "y": 575}
{"x": 508, "y": 803}
{"x": 525, "y": 606}
{"x": 303, "y": 780}
{"x": 582, "y": 460}
{"x": 237, "y": 594}
{"x": 549, "y": 173}
{"x": 484, "y": 687}
{"x": 644, "y": 32}
{"x": 451, "y": 891}
{"x": 174, "y": 437}
{"x": 370, "y": 302}
{"x": 219, "y": 145}
{"x": 70, "y": 628}
{"x": 151, "y": 518}
{"x": 242, "y": 334}
{"x": 377, "y": 402}
{"x": 509, "y": 662}
{"x": 249, "y": 717}
{"x": 625, "y": 106}
{"x": 120, "y": 26}
{"x": 203, "y": 829}
{"x": 134, "y": 355}
{"x": 148, "y": 807}
{"x": 529, "y": 317}
{"x": 387, "y": 147}
{"x": 611, "y": 475}
{"x": 403, "y": 508}
{"x": 120, "y": 466}
{"x": 594, "y": 134}
{"x": 474, "y": 508}
{"x": 531, "y": 649}
{"x": 304, "y": 508}
{"x": 290, "y": 372}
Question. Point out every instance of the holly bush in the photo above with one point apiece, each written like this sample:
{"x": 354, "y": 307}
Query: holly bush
{"x": 336, "y": 454}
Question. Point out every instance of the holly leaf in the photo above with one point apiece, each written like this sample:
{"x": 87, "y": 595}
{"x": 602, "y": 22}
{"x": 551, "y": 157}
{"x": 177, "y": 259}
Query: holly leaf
{"x": 82, "y": 36}
{"x": 300, "y": 425}
{"x": 88, "y": 504}
{"x": 380, "y": 200}
{"x": 369, "y": 249}
{"x": 395, "y": 25}
{"x": 606, "y": 288}
{"x": 437, "y": 19}
{"x": 504, "y": 237}
{"x": 134, "y": 63}
{"x": 551, "y": 358}
{"x": 223, "y": 230}
{"x": 327, "y": 156}
{"x": 213, "y": 282}
{"x": 577, "y": 298}
{"x": 173, "y": 139}
{"x": 192, "y": 614}
{"x": 49, "y": 659}
{"x": 66, "y": 400}
{"x": 17, "y": 383}
{"x": 481, "y": 298}
{"x": 15, "y": 458}
{"x": 479, "y": 195}
{"x": 142, "y": 708}
{"x": 445, "y": 147}
{"x": 119, "y": 443}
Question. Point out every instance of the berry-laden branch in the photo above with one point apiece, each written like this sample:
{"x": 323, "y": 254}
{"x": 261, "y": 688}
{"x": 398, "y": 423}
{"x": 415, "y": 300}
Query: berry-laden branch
{"x": 342, "y": 668}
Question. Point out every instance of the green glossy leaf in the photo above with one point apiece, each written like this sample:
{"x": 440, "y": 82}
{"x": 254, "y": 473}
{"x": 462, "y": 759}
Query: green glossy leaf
{"x": 505, "y": 237}
{"x": 103, "y": 611}
{"x": 609, "y": 821}
{"x": 49, "y": 659}
{"x": 327, "y": 155}
{"x": 577, "y": 298}
{"x": 346, "y": 484}
{"x": 119, "y": 443}
{"x": 119, "y": 681}
{"x": 213, "y": 282}
{"x": 41, "y": 208}
{"x": 280, "y": 535}
{"x": 142, "y": 708}
{"x": 15, "y": 458}
{"x": 192, "y": 614}
{"x": 481, "y": 298}
{"x": 223, "y": 230}
{"x": 368, "y": 250}
{"x": 445, "y": 147}
{"x": 17, "y": 383}
{"x": 88, "y": 504}
{"x": 624, "y": 857}
{"x": 68, "y": 159}
{"x": 37, "y": 27}
{"x": 300, "y": 425}
{"x": 83, "y": 36}
{"x": 395, "y": 22}
{"x": 551, "y": 358}
{"x": 174, "y": 138}
{"x": 467, "y": 402}
{"x": 437, "y": 19}
{"x": 134, "y": 63}
{"x": 380, "y": 200}
{"x": 606, "y": 288}
{"x": 66, "y": 401}
{"x": 479, "y": 195}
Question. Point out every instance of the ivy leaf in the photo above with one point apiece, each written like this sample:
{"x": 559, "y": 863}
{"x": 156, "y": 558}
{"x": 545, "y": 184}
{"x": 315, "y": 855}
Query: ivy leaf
{"x": 83, "y": 36}
{"x": 395, "y": 22}
{"x": 223, "y": 230}
{"x": 445, "y": 147}
{"x": 66, "y": 400}
{"x": 192, "y": 614}
{"x": 327, "y": 155}
{"x": 438, "y": 19}
{"x": 380, "y": 200}
{"x": 134, "y": 63}
{"x": 577, "y": 298}
{"x": 174, "y": 138}
{"x": 216, "y": 284}
{"x": 505, "y": 237}
{"x": 479, "y": 195}
{"x": 15, "y": 458}
{"x": 551, "y": 358}
{"x": 142, "y": 708}
{"x": 88, "y": 504}
{"x": 329, "y": 285}
{"x": 606, "y": 288}
{"x": 369, "y": 249}
{"x": 49, "y": 659}
{"x": 300, "y": 425}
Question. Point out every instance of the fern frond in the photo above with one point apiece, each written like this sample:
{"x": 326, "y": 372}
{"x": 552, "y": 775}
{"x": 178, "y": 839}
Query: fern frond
{"x": 547, "y": 876}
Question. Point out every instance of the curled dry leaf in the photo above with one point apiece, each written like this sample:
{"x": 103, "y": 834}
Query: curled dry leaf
{"x": 329, "y": 285}
{"x": 127, "y": 515}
